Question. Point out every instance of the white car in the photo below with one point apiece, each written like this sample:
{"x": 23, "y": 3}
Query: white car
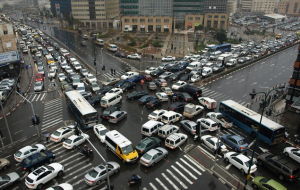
{"x": 38, "y": 54}
{"x": 211, "y": 142}
{"x": 178, "y": 84}
{"x": 129, "y": 75}
{"x": 43, "y": 174}
{"x": 168, "y": 58}
{"x": 64, "y": 65}
{"x": 52, "y": 73}
{"x": 68, "y": 69}
{"x": 134, "y": 56}
{"x": 49, "y": 49}
{"x": 39, "y": 47}
{"x": 53, "y": 66}
{"x": 73, "y": 141}
{"x": 28, "y": 151}
{"x": 149, "y": 70}
{"x": 293, "y": 153}
{"x": 63, "y": 186}
{"x": 77, "y": 66}
{"x": 91, "y": 78}
{"x": 114, "y": 91}
{"x": 195, "y": 78}
{"x": 240, "y": 161}
{"x": 156, "y": 115}
{"x": 162, "y": 96}
{"x": 61, "y": 134}
{"x": 208, "y": 124}
{"x": 94, "y": 86}
{"x": 175, "y": 140}
{"x": 61, "y": 77}
{"x": 188, "y": 56}
{"x": 100, "y": 131}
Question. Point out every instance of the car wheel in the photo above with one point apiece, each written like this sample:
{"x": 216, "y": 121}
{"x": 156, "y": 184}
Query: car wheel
{"x": 116, "y": 171}
{"x": 123, "y": 161}
{"x": 4, "y": 168}
{"x": 281, "y": 177}
{"x": 32, "y": 169}
{"x": 260, "y": 163}
{"x": 153, "y": 164}
{"x": 255, "y": 186}
{"x": 40, "y": 186}
{"x": 226, "y": 160}
{"x": 74, "y": 147}
{"x": 42, "y": 150}
{"x": 63, "y": 139}
{"x": 286, "y": 154}
{"x": 235, "y": 149}
{"x": 51, "y": 160}
{"x": 243, "y": 171}
{"x": 60, "y": 173}
{"x": 99, "y": 182}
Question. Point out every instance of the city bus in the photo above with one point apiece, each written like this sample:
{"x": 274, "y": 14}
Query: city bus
{"x": 270, "y": 132}
{"x": 222, "y": 47}
{"x": 86, "y": 115}
{"x": 112, "y": 47}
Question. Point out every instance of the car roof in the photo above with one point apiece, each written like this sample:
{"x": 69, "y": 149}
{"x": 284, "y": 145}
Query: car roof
{"x": 243, "y": 157}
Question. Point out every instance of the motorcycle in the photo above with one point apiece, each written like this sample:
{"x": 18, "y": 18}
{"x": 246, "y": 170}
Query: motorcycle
{"x": 132, "y": 181}
{"x": 87, "y": 152}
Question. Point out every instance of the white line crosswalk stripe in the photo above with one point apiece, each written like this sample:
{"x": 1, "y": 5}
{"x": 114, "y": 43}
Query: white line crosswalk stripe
{"x": 165, "y": 177}
{"x": 177, "y": 179}
{"x": 161, "y": 183}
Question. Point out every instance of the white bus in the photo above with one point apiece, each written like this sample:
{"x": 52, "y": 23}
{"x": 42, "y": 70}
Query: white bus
{"x": 86, "y": 115}
{"x": 112, "y": 47}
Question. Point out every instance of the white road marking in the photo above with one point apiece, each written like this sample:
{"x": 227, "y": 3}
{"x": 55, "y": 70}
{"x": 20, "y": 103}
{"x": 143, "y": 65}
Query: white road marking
{"x": 199, "y": 173}
{"x": 181, "y": 174}
{"x": 177, "y": 179}
{"x": 161, "y": 183}
{"x": 153, "y": 187}
{"x": 168, "y": 179}
{"x": 186, "y": 170}
{"x": 228, "y": 166}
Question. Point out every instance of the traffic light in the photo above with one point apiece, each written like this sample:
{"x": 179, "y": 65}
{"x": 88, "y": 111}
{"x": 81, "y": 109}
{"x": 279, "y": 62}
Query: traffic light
{"x": 32, "y": 120}
{"x": 37, "y": 119}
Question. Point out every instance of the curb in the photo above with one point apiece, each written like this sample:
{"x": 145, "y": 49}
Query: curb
{"x": 21, "y": 99}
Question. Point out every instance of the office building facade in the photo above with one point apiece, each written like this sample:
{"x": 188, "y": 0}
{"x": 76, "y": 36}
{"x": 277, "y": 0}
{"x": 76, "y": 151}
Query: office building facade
{"x": 64, "y": 7}
{"x": 266, "y": 6}
{"x": 289, "y": 7}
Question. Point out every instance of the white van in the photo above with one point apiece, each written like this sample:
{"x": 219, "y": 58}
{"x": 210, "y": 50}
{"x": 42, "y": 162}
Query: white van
{"x": 206, "y": 72}
{"x": 151, "y": 127}
{"x": 167, "y": 130}
{"x": 231, "y": 63}
{"x": 208, "y": 102}
{"x": 111, "y": 99}
{"x": 193, "y": 65}
{"x": 170, "y": 117}
{"x": 99, "y": 42}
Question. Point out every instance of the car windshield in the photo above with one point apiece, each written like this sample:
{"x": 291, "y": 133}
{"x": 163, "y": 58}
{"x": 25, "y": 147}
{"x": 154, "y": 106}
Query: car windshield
{"x": 68, "y": 141}
{"x": 95, "y": 85}
{"x": 5, "y": 178}
{"x": 153, "y": 114}
{"x": 38, "y": 84}
{"x": 194, "y": 77}
{"x": 147, "y": 156}
{"x": 80, "y": 88}
{"x": 248, "y": 164}
{"x": 56, "y": 133}
{"x": 178, "y": 83}
{"x": 106, "y": 112}
{"x": 103, "y": 132}
{"x": 240, "y": 142}
{"x": 18, "y": 154}
{"x": 127, "y": 149}
{"x": 26, "y": 161}
{"x": 264, "y": 180}
{"x": 141, "y": 145}
{"x": 91, "y": 77}
{"x": 168, "y": 89}
{"x": 93, "y": 173}
{"x": 39, "y": 76}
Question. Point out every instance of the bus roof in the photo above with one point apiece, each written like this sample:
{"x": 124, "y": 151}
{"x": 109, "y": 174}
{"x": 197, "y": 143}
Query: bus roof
{"x": 118, "y": 138}
{"x": 112, "y": 45}
{"x": 83, "y": 106}
{"x": 252, "y": 114}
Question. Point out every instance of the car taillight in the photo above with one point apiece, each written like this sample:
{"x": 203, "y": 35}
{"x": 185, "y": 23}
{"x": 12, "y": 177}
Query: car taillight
{"x": 24, "y": 168}
{"x": 172, "y": 109}
{"x": 107, "y": 105}
{"x": 56, "y": 139}
{"x": 115, "y": 119}
{"x": 152, "y": 105}
{"x": 242, "y": 148}
{"x": 31, "y": 184}
{"x": 161, "y": 83}
{"x": 107, "y": 117}
{"x": 194, "y": 132}
{"x": 92, "y": 181}
{"x": 186, "y": 99}
{"x": 142, "y": 151}
{"x": 192, "y": 98}
{"x": 292, "y": 177}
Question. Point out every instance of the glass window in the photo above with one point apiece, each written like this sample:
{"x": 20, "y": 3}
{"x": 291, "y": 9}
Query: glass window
{"x": 209, "y": 16}
{"x": 166, "y": 20}
{"x": 134, "y": 20}
{"x": 150, "y": 20}
{"x": 197, "y": 18}
{"x": 190, "y": 18}
{"x": 158, "y": 20}
{"x": 142, "y": 20}
{"x": 127, "y": 20}
{"x": 216, "y": 16}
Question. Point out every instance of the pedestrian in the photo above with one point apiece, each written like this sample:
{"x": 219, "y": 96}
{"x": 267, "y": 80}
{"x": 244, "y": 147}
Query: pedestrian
{"x": 112, "y": 71}
{"x": 47, "y": 136}
{"x": 29, "y": 66}
{"x": 26, "y": 67}
{"x": 147, "y": 67}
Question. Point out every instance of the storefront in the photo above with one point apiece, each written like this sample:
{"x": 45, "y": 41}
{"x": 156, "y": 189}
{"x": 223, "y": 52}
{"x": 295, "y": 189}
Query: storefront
{"x": 189, "y": 25}
{"x": 142, "y": 27}
{"x": 134, "y": 28}
{"x": 166, "y": 28}
{"x": 158, "y": 28}
{"x": 150, "y": 28}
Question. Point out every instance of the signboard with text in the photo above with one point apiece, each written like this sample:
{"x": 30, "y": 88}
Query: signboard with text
{"x": 9, "y": 57}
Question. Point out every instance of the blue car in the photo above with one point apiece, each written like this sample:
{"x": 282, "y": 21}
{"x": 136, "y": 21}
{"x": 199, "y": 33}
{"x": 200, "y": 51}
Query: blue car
{"x": 36, "y": 160}
{"x": 120, "y": 83}
{"x": 135, "y": 79}
{"x": 145, "y": 99}
{"x": 184, "y": 64}
{"x": 236, "y": 142}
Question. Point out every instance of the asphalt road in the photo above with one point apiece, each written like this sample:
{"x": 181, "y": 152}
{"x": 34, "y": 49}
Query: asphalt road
{"x": 178, "y": 170}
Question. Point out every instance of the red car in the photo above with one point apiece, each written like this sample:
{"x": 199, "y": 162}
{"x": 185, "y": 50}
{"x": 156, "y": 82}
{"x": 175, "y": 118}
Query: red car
{"x": 39, "y": 77}
{"x": 147, "y": 77}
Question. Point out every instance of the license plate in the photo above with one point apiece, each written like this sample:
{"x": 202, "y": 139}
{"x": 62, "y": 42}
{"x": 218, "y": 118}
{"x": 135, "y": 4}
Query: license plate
{"x": 103, "y": 116}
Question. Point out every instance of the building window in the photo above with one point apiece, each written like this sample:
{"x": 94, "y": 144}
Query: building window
{"x": 190, "y": 18}
{"x": 215, "y": 24}
{"x": 127, "y": 20}
{"x": 5, "y": 32}
{"x": 142, "y": 20}
{"x": 197, "y": 18}
{"x": 158, "y": 20}
{"x": 150, "y": 20}
{"x": 208, "y": 23}
{"x": 209, "y": 16}
{"x": 166, "y": 20}
{"x": 134, "y": 20}
{"x": 223, "y": 16}
{"x": 216, "y": 16}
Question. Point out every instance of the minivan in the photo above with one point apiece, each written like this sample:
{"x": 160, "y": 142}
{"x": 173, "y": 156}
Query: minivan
{"x": 193, "y": 65}
{"x": 110, "y": 99}
{"x": 192, "y": 91}
{"x": 206, "y": 72}
{"x": 151, "y": 127}
{"x": 167, "y": 130}
{"x": 170, "y": 117}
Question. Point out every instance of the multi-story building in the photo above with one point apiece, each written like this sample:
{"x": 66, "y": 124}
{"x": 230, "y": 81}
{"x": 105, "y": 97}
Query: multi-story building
{"x": 289, "y": 7}
{"x": 95, "y": 13}
{"x": 246, "y": 5}
{"x": 232, "y": 6}
{"x": 214, "y": 6}
{"x": 266, "y": 6}
{"x": 63, "y": 8}
{"x": 293, "y": 95}
{"x": 182, "y": 8}
{"x": 9, "y": 58}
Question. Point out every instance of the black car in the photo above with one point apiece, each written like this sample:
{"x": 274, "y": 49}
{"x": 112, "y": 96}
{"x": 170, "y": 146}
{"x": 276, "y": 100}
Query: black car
{"x": 104, "y": 90}
{"x": 184, "y": 78}
{"x": 95, "y": 99}
{"x": 120, "y": 54}
{"x": 53, "y": 52}
{"x": 86, "y": 95}
{"x": 191, "y": 90}
{"x": 136, "y": 94}
{"x": 218, "y": 67}
{"x": 128, "y": 85}
{"x": 44, "y": 51}
{"x": 153, "y": 104}
{"x": 176, "y": 76}
{"x": 182, "y": 96}
{"x": 184, "y": 64}
{"x": 174, "y": 69}
{"x": 36, "y": 59}
{"x": 55, "y": 56}
{"x": 177, "y": 106}
{"x": 157, "y": 72}
{"x": 109, "y": 110}
{"x": 36, "y": 160}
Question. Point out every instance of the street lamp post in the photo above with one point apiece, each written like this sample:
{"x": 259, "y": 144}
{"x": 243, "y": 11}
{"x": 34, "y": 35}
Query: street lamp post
{"x": 253, "y": 94}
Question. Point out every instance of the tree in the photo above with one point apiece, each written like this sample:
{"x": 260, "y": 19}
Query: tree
{"x": 221, "y": 36}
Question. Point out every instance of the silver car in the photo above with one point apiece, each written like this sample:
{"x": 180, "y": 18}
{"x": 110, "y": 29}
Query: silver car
{"x": 117, "y": 116}
{"x": 98, "y": 174}
{"x": 8, "y": 180}
{"x": 153, "y": 156}
{"x": 41, "y": 70}
{"x": 190, "y": 126}
{"x": 39, "y": 86}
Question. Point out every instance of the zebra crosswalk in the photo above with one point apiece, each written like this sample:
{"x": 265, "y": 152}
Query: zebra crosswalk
{"x": 36, "y": 97}
{"x": 180, "y": 175}
{"x": 108, "y": 74}
{"x": 53, "y": 112}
